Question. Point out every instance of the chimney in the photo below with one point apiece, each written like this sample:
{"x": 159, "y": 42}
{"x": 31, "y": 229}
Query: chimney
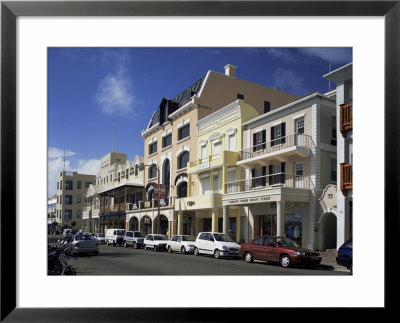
{"x": 230, "y": 70}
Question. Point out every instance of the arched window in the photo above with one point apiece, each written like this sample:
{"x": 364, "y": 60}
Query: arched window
{"x": 166, "y": 177}
{"x": 182, "y": 189}
{"x": 183, "y": 159}
{"x": 153, "y": 171}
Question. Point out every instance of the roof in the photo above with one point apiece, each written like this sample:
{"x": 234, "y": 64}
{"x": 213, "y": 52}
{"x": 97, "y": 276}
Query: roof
{"x": 341, "y": 74}
{"x": 168, "y": 106}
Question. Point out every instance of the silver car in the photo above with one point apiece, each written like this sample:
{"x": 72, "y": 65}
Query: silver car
{"x": 101, "y": 237}
{"x": 84, "y": 243}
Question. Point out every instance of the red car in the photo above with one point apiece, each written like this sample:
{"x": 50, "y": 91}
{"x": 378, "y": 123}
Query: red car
{"x": 278, "y": 249}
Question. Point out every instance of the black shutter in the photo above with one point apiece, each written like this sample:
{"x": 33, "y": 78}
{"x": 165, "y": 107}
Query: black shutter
{"x": 270, "y": 177}
{"x": 253, "y": 181}
{"x": 282, "y": 173}
{"x": 264, "y": 138}
{"x": 254, "y": 142}
{"x": 283, "y": 125}
{"x": 272, "y": 137}
{"x": 264, "y": 173}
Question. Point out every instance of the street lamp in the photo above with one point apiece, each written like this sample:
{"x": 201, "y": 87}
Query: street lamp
{"x": 141, "y": 167}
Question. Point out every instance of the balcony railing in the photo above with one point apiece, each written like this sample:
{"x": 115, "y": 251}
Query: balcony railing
{"x": 346, "y": 117}
{"x": 269, "y": 181}
{"x": 346, "y": 177}
{"x": 294, "y": 140}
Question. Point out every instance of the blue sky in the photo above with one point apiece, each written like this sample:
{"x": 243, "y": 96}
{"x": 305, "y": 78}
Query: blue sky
{"x": 90, "y": 88}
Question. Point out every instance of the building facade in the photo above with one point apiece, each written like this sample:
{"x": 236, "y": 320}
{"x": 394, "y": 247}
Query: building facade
{"x": 51, "y": 214}
{"x": 288, "y": 162}
{"x": 170, "y": 141}
{"x": 343, "y": 77}
{"x": 118, "y": 188}
{"x": 71, "y": 190}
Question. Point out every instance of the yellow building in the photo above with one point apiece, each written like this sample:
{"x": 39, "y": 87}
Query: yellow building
{"x": 219, "y": 140}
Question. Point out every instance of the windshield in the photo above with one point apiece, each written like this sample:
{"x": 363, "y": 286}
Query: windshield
{"x": 160, "y": 237}
{"x": 223, "y": 237}
{"x": 286, "y": 242}
{"x": 101, "y": 235}
{"x": 139, "y": 234}
{"x": 83, "y": 237}
{"x": 188, "y": 238}
{"x": 120, "y": 232}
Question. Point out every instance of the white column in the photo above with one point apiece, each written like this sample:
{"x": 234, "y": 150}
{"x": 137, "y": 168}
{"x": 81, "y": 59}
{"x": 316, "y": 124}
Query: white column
{"x": 225, "y": 219}
{"x": 280, "y": 217}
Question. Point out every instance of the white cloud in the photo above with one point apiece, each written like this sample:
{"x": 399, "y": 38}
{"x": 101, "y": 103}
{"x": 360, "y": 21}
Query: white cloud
{"x": 55, "y": 166}
{"x": 284, "y": 54}
{"x": 286, "y": 79}
{"x": 114, "y": 95}
{"x": 329, "y": 54}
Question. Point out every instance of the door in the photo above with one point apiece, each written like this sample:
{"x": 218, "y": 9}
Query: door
{"x": 299, "y": 179}
{"x": 300, "y": 138}
{"x": 177, "y": 244}
{"x": 257, "y": 248}
{"x": 267, "y": 225}
{"x": 269, "y": 249}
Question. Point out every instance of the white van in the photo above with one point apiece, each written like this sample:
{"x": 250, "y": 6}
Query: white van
{"x": 115, "y": 236}
{"x": 216, "y": 244}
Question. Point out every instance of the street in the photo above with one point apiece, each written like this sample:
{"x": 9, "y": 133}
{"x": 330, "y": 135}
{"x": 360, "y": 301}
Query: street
{"x": 128, "y": 261}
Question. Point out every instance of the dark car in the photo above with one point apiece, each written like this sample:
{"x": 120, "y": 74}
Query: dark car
{"x": 282, "y": 250}
{"x": 345, "y": 255}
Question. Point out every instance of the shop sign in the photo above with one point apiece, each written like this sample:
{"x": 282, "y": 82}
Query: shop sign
{"x": 250, "y": 200}
{"x": 203, "y": 166}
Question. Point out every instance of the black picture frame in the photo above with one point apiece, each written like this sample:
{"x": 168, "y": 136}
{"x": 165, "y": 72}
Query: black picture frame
{"x": 10, "y": 10}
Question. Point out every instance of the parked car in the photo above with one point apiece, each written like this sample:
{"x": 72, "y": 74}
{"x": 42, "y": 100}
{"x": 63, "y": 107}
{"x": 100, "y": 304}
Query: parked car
{"x": 279, "y": 249}
{"x": 155, "y": 241}
{"x": 84, "y": 243}
{"x": 181, "y": 243}
{"x": 216, "y": 244}
{"x": 101, "y": 237}
{"x": 345, "y": 255}
{"x": 134, "y": 239}
{"x": 115, "y": 236}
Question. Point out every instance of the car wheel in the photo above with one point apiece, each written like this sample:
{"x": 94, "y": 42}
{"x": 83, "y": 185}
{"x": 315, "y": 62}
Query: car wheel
{"x": 114, "y": 244}
{"x": 169, "y": 249}
{"x": 134, "y": 245}
{"x": 217, "y": 254}
{"x": 125, "y": 245}
{"x": 183, "y": 250}
{"x": 145, "y": 247}
{"x": 155, "y": 248}
{"x": 96, "y": 253}
{"x": 196, "y": 252}
{"x": 248, "y": 257}
{"x": 285, "y": 261}
{"x": 107, "y": 243}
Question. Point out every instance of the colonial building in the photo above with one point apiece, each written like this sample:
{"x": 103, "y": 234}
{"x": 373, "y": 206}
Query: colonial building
{"x": 71, "y": 190}
{"x": 289, "y": 163}
{"x": 118, "y": 188}
{"x": 343, "y": 77}
{"x": 170, "y": 142}
{"x": 219, "y": 140}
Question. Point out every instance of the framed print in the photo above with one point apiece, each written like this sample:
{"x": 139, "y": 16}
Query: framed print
{"x": 28, "y": 28}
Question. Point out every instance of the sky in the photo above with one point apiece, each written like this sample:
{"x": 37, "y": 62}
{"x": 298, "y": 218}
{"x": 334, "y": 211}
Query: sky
{"x": 92, "y": 89}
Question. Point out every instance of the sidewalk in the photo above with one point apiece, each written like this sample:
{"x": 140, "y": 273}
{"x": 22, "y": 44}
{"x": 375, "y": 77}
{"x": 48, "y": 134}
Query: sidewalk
{"x": 329, "y": 260}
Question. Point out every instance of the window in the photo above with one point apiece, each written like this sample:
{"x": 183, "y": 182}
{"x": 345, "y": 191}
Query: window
{"x": 276, "y": 174}
{"x": 68, "y": 214}
{"x": 203, "y": 236}
{"x": 78, "y": 185}
{"x": 136, "y": 170}
{"x": 153, "y": 148}
{"x": 300, "y": 126}
{"x": 68, "y": 185}
{"x": 278, "y": 134}
{"x": 68, "y": 199}
{"x": 259, "y": 139}
{"x": 183, "y": 132}
{"x": 119, "y": 177}
{"x": 127, "y": 173}
{"x": 240, "y": 96}
{"x": 167, "y": 141}
{"x": 333, "y": 169}
{"x": 232, "y": 142}
{"x": 153, "y": 171}
{"x": 203, "y": 153}
{"x": 205, "y": 185}
{"x": 216, "y": 149}
{"x": 333, "y": 134}
{"x": 299, "y": 170}
{"x": 267, "y": 106}
{"x": 216, "y": 183}
{"x": 58, "y": 185}
{"x": 78, "y": 213}
{"x": 78, "y": 199}
{"x": 182, "y": 189}
{"x": 87, "y": 184}
{"x": 259, "y": 177}
{"x": 183, "y": 159}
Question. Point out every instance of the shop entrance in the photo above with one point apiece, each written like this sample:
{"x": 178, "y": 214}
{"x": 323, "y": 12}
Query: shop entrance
{"x": 267, "y": 225}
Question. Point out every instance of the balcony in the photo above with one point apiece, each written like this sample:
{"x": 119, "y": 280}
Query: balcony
{"x": 279, "y": 149}
{"x": 346, "y": 177}
{"x": 213, "y": 161}
{"x": 269, "y": 181}
{"x": 346, "y": 117}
